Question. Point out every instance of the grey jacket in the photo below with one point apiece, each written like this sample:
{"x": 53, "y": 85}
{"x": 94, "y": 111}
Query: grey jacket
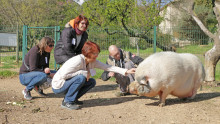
{"x": 125, "y": 56}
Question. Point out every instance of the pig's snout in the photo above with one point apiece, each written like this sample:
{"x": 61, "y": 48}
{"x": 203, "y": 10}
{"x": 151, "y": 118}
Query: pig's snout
{"x": 142, "y": 89}
{"x": 139, "y": 89}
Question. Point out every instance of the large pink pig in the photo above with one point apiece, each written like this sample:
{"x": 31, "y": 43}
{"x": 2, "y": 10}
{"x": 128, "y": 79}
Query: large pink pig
{"x": 167, "y": 73}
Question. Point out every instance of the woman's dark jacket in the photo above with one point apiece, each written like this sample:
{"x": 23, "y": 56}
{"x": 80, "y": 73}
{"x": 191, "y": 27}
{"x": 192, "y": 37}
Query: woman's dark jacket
{"x": 34, "y": 61}
{"x": 65, "y": 49}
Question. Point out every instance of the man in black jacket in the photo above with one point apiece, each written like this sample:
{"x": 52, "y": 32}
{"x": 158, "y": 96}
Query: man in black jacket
{"x": 123, "y": 59}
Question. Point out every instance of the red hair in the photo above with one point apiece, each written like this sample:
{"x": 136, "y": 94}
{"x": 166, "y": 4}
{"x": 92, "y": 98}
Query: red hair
{"x": 78, "y": 19}
{"x": 89, "y": 48}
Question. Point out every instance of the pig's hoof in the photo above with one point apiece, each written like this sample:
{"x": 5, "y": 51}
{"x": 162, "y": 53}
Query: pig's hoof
{"x": 161, "y": 104}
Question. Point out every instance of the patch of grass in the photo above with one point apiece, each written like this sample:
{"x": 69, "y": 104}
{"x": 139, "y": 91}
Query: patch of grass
{"x": 7, "y": 66}
{"x": 98, "y": 74}
{"x": 212, "y": 88}
{"x": 217, "y": 77}
{"x": 9, "y": 57}
{"x": 9, "y": 62}
{"x": 7, "y": 73}
{"x": 195, "y": 49}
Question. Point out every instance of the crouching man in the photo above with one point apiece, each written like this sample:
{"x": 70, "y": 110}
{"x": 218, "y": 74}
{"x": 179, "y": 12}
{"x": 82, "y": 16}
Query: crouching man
{"x": 118, "y": 57}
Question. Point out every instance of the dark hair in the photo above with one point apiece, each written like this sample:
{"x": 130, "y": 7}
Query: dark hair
{"x": 43, "y": 43}
{"x": 79, "y": 18}
{"x": 89, "y": 48}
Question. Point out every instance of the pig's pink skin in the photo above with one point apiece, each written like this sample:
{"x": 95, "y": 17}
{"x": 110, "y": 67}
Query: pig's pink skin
{"x": 170, "y": 73}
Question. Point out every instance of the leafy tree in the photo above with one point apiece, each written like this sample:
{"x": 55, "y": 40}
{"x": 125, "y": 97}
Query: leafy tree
{"x": 136, "y": 18}
{"x": 35, "y": 12}
{"x": 69, "y": 11}
{"x": 204, "y": 9}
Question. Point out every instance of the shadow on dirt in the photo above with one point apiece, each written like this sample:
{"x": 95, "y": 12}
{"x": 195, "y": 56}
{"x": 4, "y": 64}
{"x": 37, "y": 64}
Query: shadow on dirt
{"x": 111, "y": 101}
{"x": 102, "y": 88}
{"x": 198, "y": 98}
{"x": 50, "y": 95}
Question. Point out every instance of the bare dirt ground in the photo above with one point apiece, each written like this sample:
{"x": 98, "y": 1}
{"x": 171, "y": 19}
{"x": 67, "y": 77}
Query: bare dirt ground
{"x": 101, "y": 106}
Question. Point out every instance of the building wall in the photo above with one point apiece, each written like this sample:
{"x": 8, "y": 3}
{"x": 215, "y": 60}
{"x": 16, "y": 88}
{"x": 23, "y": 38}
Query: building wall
{"x": 7, "y": 39}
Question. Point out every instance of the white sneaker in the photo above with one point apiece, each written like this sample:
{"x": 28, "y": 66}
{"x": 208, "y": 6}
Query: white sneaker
{"x": 27, "y": 94}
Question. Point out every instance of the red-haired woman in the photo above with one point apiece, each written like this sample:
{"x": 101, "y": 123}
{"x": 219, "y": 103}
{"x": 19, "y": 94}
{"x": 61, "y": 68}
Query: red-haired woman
{"x": 72, "y": 39}
{"x": 73, "y": 78}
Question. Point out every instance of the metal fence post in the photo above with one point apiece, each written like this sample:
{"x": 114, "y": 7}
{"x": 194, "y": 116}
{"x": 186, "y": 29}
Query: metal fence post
{"x": 57, "y": 37}
{"x": 17, "y": 47}
{"x": 155, "y": 38}
{"x": 24, "y": 42}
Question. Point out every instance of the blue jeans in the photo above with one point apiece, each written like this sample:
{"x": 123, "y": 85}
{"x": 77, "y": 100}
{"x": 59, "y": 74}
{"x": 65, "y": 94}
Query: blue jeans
{"x": 33, "y": 78}
{"x": 75, "y": 87}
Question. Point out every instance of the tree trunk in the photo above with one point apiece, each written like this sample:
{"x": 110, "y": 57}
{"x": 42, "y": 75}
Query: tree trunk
{"x": 211, "y": 59}
{"x": 213, "y": 55}
{"x": 209, "y": 66}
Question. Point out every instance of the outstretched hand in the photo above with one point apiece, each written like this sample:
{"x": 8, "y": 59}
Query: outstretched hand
{"x": 47, "y": 70}
{"x": 131, "y": 71}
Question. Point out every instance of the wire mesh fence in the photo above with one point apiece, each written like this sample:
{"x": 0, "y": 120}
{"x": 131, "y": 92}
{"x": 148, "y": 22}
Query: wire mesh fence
{"x": 10, "y": 47}
{"x": 33, "y": 35}
{"x": 140, "y": 42}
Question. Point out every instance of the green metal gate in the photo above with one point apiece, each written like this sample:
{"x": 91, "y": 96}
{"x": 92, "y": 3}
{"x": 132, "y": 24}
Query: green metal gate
{"x": 32, "y": 35}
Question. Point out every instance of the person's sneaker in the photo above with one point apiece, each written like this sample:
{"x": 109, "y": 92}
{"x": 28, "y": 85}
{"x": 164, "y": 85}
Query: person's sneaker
{"x": 39, "y": 91}
{"x": 119, "y": 94}
{"x": 78, "y": 102}
{"x": 27, "y": 94}
{"x": 70, "y": 106}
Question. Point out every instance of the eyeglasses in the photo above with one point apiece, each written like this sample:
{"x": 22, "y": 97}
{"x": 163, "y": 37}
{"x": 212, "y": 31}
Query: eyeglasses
{"x": 51, "y": 45}
{"x": 83, "y": 23}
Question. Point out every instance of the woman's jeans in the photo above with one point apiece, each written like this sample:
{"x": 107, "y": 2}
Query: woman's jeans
{"x": 33, "y": 78}
{"x": 75, "y": 87}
